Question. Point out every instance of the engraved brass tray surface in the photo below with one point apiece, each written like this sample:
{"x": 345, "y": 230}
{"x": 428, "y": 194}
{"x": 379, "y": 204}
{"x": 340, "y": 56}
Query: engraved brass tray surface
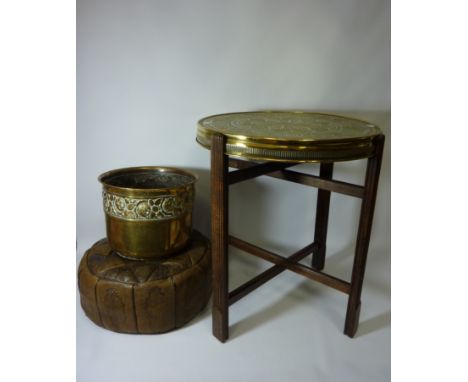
{"x": 290, "y": 136}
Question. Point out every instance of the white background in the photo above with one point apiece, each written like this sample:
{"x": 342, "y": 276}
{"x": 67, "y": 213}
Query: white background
{"x": 38, "y": 231}
{"x": 146, "y": 72}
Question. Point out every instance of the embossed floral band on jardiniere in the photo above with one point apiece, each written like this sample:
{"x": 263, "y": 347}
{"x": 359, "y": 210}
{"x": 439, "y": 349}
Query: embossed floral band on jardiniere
{"x": 148, "y": 210}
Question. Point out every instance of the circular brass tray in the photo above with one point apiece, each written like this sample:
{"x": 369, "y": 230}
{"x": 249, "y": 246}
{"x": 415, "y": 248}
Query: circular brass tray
{"x": 290, "y": 136}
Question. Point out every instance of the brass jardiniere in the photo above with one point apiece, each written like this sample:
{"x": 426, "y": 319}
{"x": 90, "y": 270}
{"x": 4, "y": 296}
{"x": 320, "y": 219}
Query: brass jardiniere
{"x": 148, "y": 210}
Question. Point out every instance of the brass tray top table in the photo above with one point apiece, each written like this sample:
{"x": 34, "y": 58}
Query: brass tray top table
{"x": 268, "y": 143}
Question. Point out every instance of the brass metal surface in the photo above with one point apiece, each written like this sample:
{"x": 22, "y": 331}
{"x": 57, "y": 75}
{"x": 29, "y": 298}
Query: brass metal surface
{"x": 148, "y": 210}
{"x": 290, "y": 136}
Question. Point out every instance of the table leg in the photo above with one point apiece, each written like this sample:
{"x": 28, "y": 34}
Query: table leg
{"x": 321, "y": 219}
{"x": 363, "y": 238}
{"x": 219, "y": 237}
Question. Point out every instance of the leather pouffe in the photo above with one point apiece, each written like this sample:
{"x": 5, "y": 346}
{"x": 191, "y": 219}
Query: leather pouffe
{"x": 145, "y": 296}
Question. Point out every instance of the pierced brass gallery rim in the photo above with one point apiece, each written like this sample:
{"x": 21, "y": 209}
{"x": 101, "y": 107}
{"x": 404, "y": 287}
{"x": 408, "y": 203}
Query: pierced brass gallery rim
{"x": 293, "y": 136}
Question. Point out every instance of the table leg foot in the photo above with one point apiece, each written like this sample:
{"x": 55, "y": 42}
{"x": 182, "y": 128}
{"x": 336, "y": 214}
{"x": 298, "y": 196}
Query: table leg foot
{"x": 220, "y": 324}
{"x": 352, "y": 321}
{"x": 318, "y": 257}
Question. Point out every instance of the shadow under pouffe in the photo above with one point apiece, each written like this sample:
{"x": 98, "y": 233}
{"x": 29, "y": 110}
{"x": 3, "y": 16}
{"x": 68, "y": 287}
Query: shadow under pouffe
{"x": 145, "y": 296}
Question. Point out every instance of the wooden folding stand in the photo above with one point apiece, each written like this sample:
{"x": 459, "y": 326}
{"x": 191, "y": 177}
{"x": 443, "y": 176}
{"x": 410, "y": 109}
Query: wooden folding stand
{"x": 221, "y": 179}
{"x": 269, "y": 143}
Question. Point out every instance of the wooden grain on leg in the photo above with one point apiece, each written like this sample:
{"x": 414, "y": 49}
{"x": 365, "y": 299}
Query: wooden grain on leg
{"x": 219, "y": 232}
{"x": 321, "y": 219}
{"x": 363, "y": 237}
